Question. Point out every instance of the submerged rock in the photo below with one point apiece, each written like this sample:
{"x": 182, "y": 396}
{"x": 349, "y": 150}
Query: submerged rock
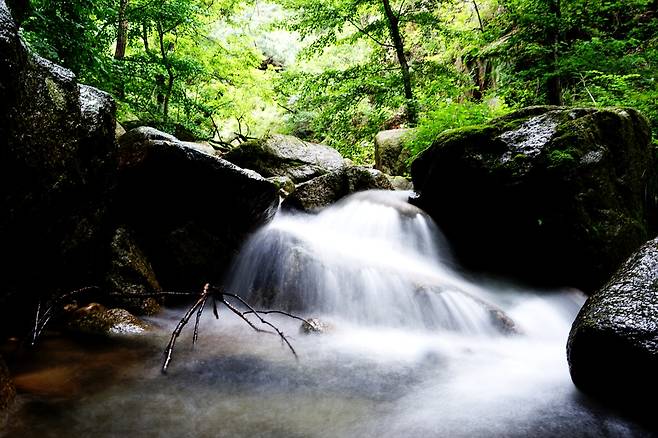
{"x": 284, "y": 155}
{"x": 7, "y": 390}
{"x": 188, "y": 210}
{"x": 327, "y": 189}
{"x": 95, "y": 319}
{"x": 391, "y": 157}
{"x": 613, "y": 344}
{"x": 555, "y": 196}
{"x": 57, "y": 161}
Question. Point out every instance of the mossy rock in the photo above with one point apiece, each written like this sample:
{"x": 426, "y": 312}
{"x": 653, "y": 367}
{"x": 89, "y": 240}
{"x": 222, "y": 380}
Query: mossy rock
{"x": 555, "y": 196}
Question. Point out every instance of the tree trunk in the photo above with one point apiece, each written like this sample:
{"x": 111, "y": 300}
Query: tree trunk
{"x": 170, "y": 74}
{"x": 554, "y": 83}
{"x": 145, "y": 37}
{"x": 394, "y": 29}
{"x": 122, "y": 31}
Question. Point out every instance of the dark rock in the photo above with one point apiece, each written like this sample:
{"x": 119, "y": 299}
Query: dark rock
{"x": 95, "y": 319}
{"x": 7, "y": 390}
{"x": 285, "y": 184}
{"x": 613, "y": 344}
{"x": 189, "y": 211}
{"x": 57, "y": 161}
{"x": 551, "y": 195}
{"x": 327, "y": 189}
{"x": 391, "y": 157}
{"x": 284, "y": 155}
{"x": 131, "y": 273}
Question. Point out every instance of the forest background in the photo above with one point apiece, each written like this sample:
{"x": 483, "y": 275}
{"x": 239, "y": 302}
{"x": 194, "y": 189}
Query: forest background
{"x": 339, "y": 71}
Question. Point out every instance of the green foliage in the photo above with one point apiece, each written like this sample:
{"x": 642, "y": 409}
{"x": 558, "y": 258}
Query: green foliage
{"x": 450, "y": 115}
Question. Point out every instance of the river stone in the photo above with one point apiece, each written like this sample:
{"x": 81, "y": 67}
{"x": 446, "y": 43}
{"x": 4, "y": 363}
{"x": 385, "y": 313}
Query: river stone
{"x": 57, "y": 161}
{"x": 315, "y": 326}
{"x": 391, "y": 157}
{"x": 189, "y": 211}
{"x": 130, "y": 273}
{"x": 554, "y": 196}
{"x": 96, "y": 319}
{"x": 7, "y": 391}
{"x": 613, "y": 344}
{"x": 285, "y": 155}
{"x": 327, "y": 189}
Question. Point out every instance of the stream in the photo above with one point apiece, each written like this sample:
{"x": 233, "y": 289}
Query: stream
{"x": 412, "y": 349}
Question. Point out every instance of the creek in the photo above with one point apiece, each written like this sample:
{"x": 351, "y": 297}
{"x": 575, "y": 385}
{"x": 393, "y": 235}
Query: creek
{"x": 414, "y": 348}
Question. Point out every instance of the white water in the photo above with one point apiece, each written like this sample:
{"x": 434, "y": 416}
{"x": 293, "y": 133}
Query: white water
{"x": 372, "y": 259}
{"x": 413, "y": 352}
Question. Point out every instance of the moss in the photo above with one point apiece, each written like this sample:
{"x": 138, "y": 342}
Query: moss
{"x": 558, "y": 157}
{"x": 56, "y": 94}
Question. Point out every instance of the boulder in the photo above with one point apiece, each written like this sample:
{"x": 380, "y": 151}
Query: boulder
{"x": 57, "y": 156}
{"x": 95, "y": 319}
{"x": 7, "y": 390}
{"x": 327, "y": 189}
{"x": 400, "y": 183}
{"x": 555, "y": 196}
{"x": 391, "y": 156}
{"x": 284, "y": 155}
{"x": 189, "y": 211}
{"x": 130, "y": 273}
{"x": 613, "y": 344}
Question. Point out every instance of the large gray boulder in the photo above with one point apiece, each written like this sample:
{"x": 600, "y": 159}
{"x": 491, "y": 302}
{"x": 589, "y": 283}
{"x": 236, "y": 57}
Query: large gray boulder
{"x": 284, "y": 155}
{"x": 613, "y": 344}
{"x": 556, "y": 196}
{"x": 189, "y": 211}
{"x": 391, "y": 157}
{"x": 329, "y": 188}
{"x": 57, "y": 161}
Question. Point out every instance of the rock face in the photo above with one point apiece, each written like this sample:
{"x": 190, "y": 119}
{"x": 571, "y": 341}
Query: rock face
{"x": 284, "y": 155}
{"x": 131, "y": 273}
{"x": 613, "y": 344}
{"x": 57, "y": 155}
{"x": 189, "y": 210}
{"x": 327, "y": 189}
{"x": 7, "y": 391}
{"x": 391, "y": 156}
{"x": 552, "y": 195}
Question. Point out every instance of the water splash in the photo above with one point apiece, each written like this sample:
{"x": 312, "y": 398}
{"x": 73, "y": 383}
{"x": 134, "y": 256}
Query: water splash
{"x": 372, "y": 259}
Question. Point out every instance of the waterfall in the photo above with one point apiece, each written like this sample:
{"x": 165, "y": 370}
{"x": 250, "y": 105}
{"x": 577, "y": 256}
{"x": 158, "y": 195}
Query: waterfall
{"x": 371, "y": 259}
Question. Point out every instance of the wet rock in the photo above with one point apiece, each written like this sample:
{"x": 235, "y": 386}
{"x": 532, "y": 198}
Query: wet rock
{"x": 131, "y": 273}
{"x": 284, "y": 155}
{"x": 391, "y": 157}
{"x": 7, "y": 390}
{"x": 400, "y": 183}
{"x": 57, "y": 161}
{"x": 285, "y": 184}
{"x": 555, "y": 196}
{"x": 189, "y": 211}
{"x": 315, "y": 326}
{"x": 96, "y": 319}
{"x": 613, "y": 344}
{"x": 327, "y": 189}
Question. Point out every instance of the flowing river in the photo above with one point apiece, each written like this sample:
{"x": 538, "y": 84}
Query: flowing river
{"x": 411, "y": 349}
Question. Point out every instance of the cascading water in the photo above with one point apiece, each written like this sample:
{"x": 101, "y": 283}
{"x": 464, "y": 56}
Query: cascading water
{"x": 416, "y": 350}
{"x": 372, "y": 259}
